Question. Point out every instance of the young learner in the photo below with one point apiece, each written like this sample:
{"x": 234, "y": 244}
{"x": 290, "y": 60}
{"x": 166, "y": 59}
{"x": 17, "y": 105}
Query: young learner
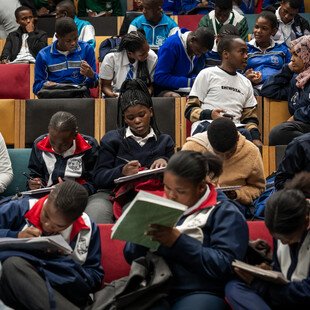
{"x": 180, "y": 59}
{"x": 23, "y": 44}
{"x": 213, "y": 58}
{"x": 291, "y": 25}
{"x": 287, "y": 219}
{"x": 222, "y": 89}
{"x": 86, "y": 31}
{"x": 265, "y": 57}
{"x": 207, "y": 238}
{"x": 95, "y": 8}
{"x": 133, "y": 59}
{"x": 295, "y": 160}
{"x": 63, "y": 154}
{"x": 6, "y": 172}
{"x": 242, "y": 161}
{"x": 292, "y": 84}
{"x": 38, "y": 280}
{"x": 67, "y": 60}
{"x": 223, "y": 14}
{"x": 157, "y": 26}
{"x": 137, "y": 143}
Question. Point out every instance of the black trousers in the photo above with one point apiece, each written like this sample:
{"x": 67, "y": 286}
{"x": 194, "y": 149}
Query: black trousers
{"x": 284, "y": 133}
{"x": 21, "y": 287}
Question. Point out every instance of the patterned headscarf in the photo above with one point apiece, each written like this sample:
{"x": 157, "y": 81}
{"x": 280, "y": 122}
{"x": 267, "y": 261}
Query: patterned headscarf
{"x": 302, "y": 48}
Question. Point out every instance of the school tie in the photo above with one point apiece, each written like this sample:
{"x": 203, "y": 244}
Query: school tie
{"x": 130, "y": 72}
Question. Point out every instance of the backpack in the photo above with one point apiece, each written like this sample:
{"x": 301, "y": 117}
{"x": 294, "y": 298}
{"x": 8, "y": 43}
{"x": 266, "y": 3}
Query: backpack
{"x": 108, "y": 46}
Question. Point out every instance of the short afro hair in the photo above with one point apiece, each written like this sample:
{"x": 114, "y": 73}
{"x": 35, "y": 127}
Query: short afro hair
{"x": 64, "y": 25}
{"x": 223, "y": 134}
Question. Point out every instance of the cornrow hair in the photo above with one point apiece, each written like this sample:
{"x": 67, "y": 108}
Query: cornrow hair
{"x": 134, "y": 92}
{"x": 132, "y": 42}
{"x": 63, "y": 121}
{"x": 70, "y": 198}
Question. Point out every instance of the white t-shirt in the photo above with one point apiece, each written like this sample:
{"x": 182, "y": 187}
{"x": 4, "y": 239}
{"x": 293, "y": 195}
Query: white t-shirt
{"x": 218, "y": 89}
{"x": 115, "y": 67}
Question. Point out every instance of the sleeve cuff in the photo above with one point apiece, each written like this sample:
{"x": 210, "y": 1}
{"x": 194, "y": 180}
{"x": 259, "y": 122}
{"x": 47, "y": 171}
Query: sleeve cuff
{"x": 205, "y": 114}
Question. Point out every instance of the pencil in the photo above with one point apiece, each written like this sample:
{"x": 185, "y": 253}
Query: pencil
{"x": 122, "y": 158}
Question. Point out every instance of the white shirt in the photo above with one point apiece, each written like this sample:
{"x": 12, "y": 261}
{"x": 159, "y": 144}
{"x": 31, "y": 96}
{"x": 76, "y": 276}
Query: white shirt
{"x": 284, "y": 33}
{"x": 141, "y": 141}
{"x": 115, "y": 67}
{"x": 24, "y": 54}
{"x": 219, "y": 89}
{"x": 6, "y": 172}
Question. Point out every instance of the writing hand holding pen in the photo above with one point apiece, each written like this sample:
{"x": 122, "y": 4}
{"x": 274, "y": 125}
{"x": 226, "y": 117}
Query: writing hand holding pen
{"x": 30, "y": 231}
{"x": 33, "y": 183}
{"x": 131, "y": 167}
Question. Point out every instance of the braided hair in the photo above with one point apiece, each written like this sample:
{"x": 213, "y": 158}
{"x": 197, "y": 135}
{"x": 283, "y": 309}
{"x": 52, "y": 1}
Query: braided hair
{"x": 134, "y": 92}
{"x": 133, "y": 42}
{"x": 63, "y": 121}
{"x": 70, "y": 198}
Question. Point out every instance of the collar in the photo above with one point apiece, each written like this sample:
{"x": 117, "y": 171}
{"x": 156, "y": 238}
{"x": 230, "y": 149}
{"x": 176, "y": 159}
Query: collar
{"x": 54, "y": 50}
{"x": 125, "y": 59}
{"x": 81, "y": 145}
{"x": 280, "y": 20}
{"x": 130, "y": 134}
{"x": 206, "y": 201}
{"x": 33, "y": 216}
{"x": 271, "y": 45}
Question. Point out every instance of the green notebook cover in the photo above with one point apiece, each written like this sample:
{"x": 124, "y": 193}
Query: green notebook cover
{"x": 144, "y": 210}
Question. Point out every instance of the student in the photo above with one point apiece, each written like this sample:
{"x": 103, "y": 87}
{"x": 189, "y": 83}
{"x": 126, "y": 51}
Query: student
{"x": 292, "y": 84}
{"x": 287, "y": 219}
{"x": 156, "y": 25}
{"x": 180, "y": 59}
{"x": 223, "y": 14}
{"x": 35, "y": 281}
{"x": 242, "y": 161}
{"x": 265, "y": 57}
{"x": 133, "y": 59}
{"x": 95, "y": 8}
{"x": 63, "y": 154}
{"x": 67, "y": 60}
{"x": 208, "y": 237}
{"x": 6, "y": 172}
{"x": 213, "y": 58}
{"x": 295, "y": 160}
{"x": 291, "y": 25}
{"x": 269, "y": 4}
{"x": 86, "y": 31}
{"x": 172, "y": 6}
{"x": 138, "y": 140}
{"x": 222, "y": 89}
{"x": 23, "y": 44}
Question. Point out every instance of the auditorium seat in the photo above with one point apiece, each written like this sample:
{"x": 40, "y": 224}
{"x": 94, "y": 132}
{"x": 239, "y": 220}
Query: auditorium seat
{"x": 35, "y": 116}
{"x": 189, "y": 22}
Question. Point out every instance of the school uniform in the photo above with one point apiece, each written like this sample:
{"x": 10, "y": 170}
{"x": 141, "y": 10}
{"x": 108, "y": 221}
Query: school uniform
{"x": 157, "y": 34}
{"x": 76, "y": 164}
{"x": 115, "y": 66}
{"x": 213, "y": 234}
{"x": 294, "y": 262}
{"x": 64, "y": 279}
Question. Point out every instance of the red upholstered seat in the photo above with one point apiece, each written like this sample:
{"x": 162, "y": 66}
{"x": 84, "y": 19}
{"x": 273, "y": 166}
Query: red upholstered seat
{"x": 15, "y": 81}
{"x": 258, "y": 230}
{"x": 112, "y": 258}
{"x": 189, "y": 22}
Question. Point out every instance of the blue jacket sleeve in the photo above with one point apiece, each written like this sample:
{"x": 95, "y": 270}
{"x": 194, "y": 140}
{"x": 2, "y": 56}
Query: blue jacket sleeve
{"x": 105, "y": 170}
{"x": 302, "y": 107}
{"x": 277, "y": 86}
{"x": 12, "y": 217}
{"x": 41, "y": 74}
{"x": 228, "y": 241}
{"x": 188, "y": 5}
{"x": 292, "y": 163}
{"x": 92, "y": 267}
{"x": 164, "y": 76}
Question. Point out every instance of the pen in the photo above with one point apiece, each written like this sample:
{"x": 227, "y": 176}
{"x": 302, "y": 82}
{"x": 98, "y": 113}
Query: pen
{"x": 31, "y": 178}
{"x": 28, "y": 223}
{"x": 122, "y": 158}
